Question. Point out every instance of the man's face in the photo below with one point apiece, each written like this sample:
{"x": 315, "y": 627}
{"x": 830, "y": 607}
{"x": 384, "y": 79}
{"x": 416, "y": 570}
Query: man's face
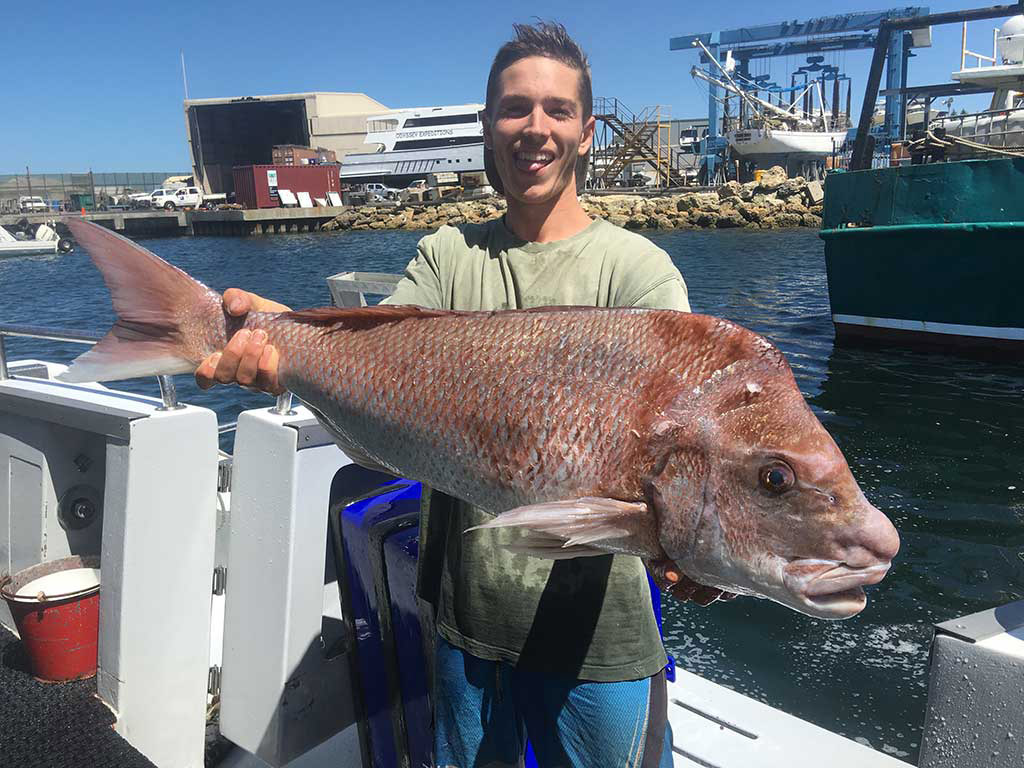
{"x": 537, "y": 130}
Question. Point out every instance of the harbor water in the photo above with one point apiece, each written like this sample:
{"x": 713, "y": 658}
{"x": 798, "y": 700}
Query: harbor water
{"x": 936, "y": 442}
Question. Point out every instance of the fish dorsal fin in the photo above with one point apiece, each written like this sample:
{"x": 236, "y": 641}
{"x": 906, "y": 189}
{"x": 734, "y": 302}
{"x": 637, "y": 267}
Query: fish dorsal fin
{"x": 364, "y": 318}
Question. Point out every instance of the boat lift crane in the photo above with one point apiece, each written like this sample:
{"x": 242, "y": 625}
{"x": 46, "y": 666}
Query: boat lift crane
{"x": 849, "y": 31}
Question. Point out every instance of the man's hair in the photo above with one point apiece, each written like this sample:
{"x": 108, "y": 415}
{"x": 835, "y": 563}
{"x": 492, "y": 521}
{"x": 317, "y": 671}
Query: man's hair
{"x": 550, "y": 40}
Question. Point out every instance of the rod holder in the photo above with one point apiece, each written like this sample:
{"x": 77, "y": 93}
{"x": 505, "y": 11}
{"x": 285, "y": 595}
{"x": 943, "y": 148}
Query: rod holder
{"x": 283, "y": 406}
{"x": 168, "y": 394}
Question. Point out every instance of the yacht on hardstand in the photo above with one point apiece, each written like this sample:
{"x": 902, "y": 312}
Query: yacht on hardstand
{"x": 800, "y": 129}
{"x": 416, "y": 141}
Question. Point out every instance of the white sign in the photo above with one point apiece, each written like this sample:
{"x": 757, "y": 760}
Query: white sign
{"x": 272, "y": 178}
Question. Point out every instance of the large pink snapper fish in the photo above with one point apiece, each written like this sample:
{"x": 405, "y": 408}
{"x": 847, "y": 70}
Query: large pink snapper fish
{"x": 636, "y": 431}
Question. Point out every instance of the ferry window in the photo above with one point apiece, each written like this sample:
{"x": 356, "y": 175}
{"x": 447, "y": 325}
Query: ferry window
{"x": 381, "y": 125}
{"x": 416, "y": 122}
{"x": 449, "y": 141}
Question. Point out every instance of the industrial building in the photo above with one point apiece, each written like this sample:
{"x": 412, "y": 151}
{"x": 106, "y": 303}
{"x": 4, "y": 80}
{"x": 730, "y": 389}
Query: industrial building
{"x": 229, "y": 132}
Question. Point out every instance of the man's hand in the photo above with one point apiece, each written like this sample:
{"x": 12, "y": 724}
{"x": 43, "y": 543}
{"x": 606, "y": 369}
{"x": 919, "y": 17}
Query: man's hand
{"x": 670, "y": 579}
{"x": 247, "y": 359}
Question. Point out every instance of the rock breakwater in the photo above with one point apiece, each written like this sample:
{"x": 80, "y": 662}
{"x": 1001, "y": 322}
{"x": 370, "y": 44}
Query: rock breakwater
{"x": 773, "y": 201}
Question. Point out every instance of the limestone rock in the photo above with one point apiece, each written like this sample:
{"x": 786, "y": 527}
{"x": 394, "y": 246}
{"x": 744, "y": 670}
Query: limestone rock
{"x": 731, "y": 189}
{"x": 772, "y": 179}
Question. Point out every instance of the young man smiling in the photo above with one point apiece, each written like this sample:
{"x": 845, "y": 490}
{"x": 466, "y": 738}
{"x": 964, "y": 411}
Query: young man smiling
{"x": 567, "y": 652}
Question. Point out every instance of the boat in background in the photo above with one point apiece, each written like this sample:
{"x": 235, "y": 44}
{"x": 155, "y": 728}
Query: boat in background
{"x": 929, "y": 252}
{"x": 413, "y": 142}
{"x": 44, "y": 240}
{"x": 799, "y": 131}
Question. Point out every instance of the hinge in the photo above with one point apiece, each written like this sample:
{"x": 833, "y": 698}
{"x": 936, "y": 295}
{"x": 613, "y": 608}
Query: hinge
{"x": 213, "y": 681}
{"x": 224, "y": 474}
{"x": 220, "y": 579}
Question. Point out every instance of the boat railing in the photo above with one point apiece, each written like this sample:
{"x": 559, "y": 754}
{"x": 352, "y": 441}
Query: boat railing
{"x": 991, "y": 128}
{"x": 168, "y": 392}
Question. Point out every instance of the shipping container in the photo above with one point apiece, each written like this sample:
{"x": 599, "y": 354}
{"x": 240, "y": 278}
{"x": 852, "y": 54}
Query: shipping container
{"x": 293, "y": 154}
{"x": 256, "y": 185}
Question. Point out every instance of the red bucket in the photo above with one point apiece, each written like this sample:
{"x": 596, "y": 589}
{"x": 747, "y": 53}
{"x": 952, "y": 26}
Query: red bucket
{"x": 56, "y": 608}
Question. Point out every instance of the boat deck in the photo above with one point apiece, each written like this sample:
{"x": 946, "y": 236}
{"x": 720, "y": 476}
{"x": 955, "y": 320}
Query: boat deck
{"x": 55, "y": 724}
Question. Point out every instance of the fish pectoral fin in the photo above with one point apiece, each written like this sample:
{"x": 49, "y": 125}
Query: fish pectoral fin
{"x": 548, "y": 547}
{"x": 577, "y": 527}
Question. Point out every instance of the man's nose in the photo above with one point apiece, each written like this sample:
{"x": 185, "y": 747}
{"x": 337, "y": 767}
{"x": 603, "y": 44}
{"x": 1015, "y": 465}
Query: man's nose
{"x": 537, "y": 123}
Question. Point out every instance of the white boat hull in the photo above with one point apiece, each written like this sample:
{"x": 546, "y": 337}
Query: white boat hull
{"x": 26, "y": 248}
{"x": 771, "y": 141}
{"x": 46, "y": 241}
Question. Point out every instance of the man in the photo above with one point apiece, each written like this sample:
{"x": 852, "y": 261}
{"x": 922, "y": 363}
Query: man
{"x": 568, "y": 652}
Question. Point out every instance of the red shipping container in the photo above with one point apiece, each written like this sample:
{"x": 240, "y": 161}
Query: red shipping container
{"x": 255, "y": 187}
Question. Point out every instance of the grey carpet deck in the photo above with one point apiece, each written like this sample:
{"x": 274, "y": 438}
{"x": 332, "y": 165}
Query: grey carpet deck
{"x": 53, "y": 725}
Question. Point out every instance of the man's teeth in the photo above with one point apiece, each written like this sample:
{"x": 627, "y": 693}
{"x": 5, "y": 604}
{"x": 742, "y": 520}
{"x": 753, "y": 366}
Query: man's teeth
{"x": 534, "y": 157}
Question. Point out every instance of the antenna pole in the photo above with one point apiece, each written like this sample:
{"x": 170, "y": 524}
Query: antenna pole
{"x": 184, "y": 77}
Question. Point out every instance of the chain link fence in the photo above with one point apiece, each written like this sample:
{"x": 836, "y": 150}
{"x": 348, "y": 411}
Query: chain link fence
{"x": 73, "y": 191}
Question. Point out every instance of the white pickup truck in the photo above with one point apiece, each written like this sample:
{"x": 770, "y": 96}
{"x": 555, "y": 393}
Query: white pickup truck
{"x": 32, "y": 204}
{"x": 183, "y": 197}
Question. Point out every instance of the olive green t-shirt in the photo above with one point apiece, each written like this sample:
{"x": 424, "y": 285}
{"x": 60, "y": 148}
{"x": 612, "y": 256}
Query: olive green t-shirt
{"x": 590, "y": 617}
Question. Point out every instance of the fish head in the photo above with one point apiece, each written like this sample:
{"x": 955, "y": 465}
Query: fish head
{"x": 755, "y": 497}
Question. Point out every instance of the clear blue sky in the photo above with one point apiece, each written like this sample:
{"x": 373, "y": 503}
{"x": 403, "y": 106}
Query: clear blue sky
{"x": 98, "y": 84}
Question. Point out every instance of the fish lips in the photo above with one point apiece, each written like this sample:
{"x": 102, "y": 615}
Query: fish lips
{"x": 829, "y": 589}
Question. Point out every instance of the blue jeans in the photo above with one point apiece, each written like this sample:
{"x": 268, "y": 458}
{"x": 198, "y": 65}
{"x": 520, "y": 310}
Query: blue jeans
{"x": 485, "y": 710}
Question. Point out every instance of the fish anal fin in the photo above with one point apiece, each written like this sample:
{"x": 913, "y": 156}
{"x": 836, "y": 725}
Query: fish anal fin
{"x": 584, "y": 526}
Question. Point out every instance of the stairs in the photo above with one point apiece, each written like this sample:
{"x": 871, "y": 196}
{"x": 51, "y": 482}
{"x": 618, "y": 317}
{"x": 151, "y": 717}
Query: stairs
{"x": 637, "y": 138}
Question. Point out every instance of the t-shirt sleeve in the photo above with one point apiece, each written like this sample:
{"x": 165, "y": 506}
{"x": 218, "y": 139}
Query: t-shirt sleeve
{"x": 669, "y": 294}
{"x": 652, "y": 281}
{"x": 421, "y": 283}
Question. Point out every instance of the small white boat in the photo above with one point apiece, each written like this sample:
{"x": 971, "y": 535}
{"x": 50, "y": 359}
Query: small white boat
{"x": 46, "y": 240}
{"x": 780, "y": 141}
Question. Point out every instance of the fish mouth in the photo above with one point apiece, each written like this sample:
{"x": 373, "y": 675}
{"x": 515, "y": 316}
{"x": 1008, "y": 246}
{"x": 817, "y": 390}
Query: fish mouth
{"x": 830, "y": 589}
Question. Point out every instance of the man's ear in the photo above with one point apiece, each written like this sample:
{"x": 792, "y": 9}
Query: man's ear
{"x": 587, "y": 139}
{"x": 486, "y": 121}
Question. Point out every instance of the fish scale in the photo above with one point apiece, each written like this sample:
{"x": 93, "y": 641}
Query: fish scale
{"x": 464, "y": 405}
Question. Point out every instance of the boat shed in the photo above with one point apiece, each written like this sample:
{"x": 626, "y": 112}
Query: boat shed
{"x": 228, "y": 132}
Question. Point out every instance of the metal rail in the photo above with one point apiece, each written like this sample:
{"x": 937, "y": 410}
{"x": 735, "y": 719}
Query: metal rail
{"x": 168, "y": 393}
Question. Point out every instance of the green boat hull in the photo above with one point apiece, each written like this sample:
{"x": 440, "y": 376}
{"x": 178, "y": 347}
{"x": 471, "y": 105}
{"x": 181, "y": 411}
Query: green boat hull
{"x": 928, "y": 253}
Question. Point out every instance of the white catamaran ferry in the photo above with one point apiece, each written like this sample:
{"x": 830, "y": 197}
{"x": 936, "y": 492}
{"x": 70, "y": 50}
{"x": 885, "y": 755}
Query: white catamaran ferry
{"x": 420, "y": 140}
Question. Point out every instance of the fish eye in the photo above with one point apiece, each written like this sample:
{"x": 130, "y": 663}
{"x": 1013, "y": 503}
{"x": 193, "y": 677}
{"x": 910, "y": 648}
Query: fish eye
{"x": 777, "y": 477}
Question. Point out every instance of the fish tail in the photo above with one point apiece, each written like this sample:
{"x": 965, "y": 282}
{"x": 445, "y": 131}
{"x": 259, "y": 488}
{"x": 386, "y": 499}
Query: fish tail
{"x": 167, "y": 322}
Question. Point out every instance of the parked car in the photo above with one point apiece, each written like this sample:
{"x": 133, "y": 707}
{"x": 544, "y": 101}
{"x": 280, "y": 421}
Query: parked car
{"x": 187, "y": 197}
{"x": 32, "y": 204}
{"x": 163, "y": 198}
{"x": 377, "y": 191}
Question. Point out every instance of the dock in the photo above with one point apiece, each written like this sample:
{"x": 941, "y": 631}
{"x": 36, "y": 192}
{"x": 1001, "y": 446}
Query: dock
{"x": 260, "y": 221}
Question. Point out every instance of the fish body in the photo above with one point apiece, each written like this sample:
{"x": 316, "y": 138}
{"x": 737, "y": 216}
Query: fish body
{"x": 627, "y": 430}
